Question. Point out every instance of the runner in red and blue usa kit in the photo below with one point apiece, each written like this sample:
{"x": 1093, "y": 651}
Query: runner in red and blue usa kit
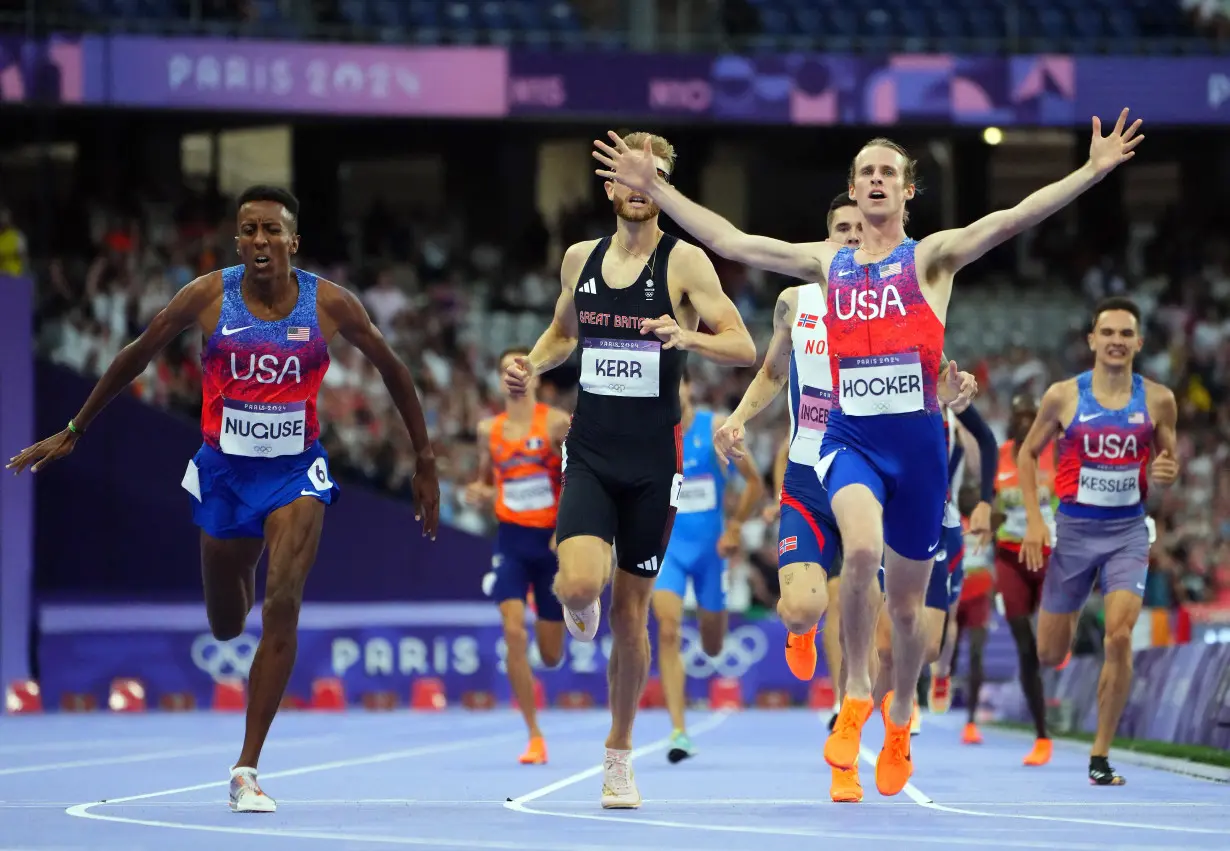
{"x": 1111, "y": 423}
{"x": 261, "y": 479}
{"x": 885, "y": 320}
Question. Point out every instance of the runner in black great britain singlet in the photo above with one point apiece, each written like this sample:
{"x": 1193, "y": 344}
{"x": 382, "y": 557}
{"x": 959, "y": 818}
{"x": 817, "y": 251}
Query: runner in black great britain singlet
{"x": 1116, "y": 431}
{"x": 261, "y": 478}
{"x": 631, "y": 303}
{"x": 887, "y": 429}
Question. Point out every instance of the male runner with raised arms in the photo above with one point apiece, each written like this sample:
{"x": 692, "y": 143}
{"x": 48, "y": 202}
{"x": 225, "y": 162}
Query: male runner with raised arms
{"x": 261, "y": 479}
{"x": 1019, "y": 586}
{"x": 886, "y": 308}
{"x": 1109, "y": 422}
{"x": 701, "y": 541}
{"x": 808, "y": 543}
{"x": 519, "y": 472}
{"x": 633, "y": 302}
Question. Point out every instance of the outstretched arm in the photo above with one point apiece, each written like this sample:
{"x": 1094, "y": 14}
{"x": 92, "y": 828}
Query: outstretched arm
{"x": 180, "y": 314}
{"x": 355, "y": 326}
{"x": 636, "y": 170}
{"x": 952, "y": 250}
{"x": 773, "y": 373}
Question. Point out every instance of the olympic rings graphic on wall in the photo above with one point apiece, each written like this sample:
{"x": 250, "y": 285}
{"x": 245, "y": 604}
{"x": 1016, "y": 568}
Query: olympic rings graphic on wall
{"x": 743, "y": 648}
{"x": 224, "y": 659}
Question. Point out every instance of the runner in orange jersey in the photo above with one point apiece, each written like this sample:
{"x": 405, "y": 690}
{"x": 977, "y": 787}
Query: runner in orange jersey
{"x": 519, "y": 472}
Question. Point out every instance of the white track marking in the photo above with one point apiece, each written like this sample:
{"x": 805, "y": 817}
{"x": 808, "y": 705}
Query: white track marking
{"x": 151, "y": 756}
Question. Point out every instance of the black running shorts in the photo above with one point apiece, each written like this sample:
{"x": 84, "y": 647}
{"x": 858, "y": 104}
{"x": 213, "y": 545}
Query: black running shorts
{"x": 623, "y": 490}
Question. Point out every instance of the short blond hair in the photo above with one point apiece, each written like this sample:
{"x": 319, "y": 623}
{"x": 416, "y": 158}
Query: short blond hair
{"x": 660, "y": 147}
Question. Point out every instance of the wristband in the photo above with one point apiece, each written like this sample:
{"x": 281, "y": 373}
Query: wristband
{"x": 72, "y": 426}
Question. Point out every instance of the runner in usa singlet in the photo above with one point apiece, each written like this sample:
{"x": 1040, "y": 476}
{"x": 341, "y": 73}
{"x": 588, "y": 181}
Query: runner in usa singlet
{"x": 885, "y": 431}
{"x": 1101, "y": 483}
{"x": 259, "y": 383}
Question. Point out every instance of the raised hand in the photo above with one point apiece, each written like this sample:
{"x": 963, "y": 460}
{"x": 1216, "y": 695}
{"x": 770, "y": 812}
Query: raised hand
{"x": 1108, "y": 152}
{"x": 517, "y": 376}
{"x": 635, "y": 169}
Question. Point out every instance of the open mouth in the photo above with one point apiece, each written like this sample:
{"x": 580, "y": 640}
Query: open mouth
{"x": 877, "y": 195}
{"x": 1116, "y": 351}
{"x": 637, "y": 200}
{"x": 261, "y": 261}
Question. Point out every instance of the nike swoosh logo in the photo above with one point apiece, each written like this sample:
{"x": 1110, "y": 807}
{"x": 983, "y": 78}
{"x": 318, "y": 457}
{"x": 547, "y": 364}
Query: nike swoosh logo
{"x": 1087, "y": 417}
{"x": 847, "y": 272}
{"x": 316, "y": 494}
{"x": 1005, "y": 476}
{"x": 226, "y": 332}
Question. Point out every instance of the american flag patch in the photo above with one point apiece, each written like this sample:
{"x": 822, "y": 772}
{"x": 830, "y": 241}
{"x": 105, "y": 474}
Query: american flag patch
{"x": 890, "y": 270}
{"x": 299, "y": 335}
{"x": 808, "y": 320}
{"x": 785, "y": 545}
{"x": 1136, "y": 418}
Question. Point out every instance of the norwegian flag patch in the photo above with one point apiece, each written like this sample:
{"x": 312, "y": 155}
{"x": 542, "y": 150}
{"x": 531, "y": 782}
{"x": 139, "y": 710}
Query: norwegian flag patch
{"x": 785, "y": 545}
{"x": 808, "y": 320}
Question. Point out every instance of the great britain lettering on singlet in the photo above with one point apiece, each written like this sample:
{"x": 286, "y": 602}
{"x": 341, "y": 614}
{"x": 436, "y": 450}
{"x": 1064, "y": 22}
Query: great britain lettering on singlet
{"x": 628, "y": 381}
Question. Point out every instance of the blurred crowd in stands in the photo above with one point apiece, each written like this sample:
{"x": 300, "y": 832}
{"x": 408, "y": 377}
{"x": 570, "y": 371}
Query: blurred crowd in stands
{"x": 438, "y": 297}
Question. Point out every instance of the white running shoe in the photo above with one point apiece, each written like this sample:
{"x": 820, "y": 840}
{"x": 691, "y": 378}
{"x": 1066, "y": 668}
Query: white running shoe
{"x": 246, "y": 794}
{"x": 583, "y": 625}
{"x": 619, "y": 790}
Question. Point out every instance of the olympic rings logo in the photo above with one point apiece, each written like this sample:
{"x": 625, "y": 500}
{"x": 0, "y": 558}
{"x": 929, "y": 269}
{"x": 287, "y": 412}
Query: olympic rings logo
{"x": 224, "y": 659}
{"x": 743, "y": 648}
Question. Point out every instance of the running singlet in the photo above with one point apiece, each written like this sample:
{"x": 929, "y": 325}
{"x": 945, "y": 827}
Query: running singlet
{"x": 699, "y": 505}
{"x": 1011, "y": 500}
{"x": 978, "y": 562}
{"x": 885, "y": 341}
{"x": 526, "y": 472}
{"x": 811, "y": 384}
{"x": 629, "y": 383}
{"x": 260, "y": 380}
{"x": 1103, "y": 455}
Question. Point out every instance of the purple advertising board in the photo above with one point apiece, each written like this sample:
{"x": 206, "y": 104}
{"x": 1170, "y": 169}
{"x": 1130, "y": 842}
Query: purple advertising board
{"x": 16, "y": 492}
{"x": 141, "y": 541}
{"x": 373, "y": 647}
{"x": 293, "y": 77}
{"x": 46, "y": 70}
{"x": 799, "y": 88}
{"x": 491, "y": 82}
{"x": 1179, "y": 694}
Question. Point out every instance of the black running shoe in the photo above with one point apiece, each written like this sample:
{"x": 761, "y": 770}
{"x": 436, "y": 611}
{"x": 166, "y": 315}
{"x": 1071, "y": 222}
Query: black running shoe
{"x": 832, "y": 721}
{"x": 1101, "y": 774}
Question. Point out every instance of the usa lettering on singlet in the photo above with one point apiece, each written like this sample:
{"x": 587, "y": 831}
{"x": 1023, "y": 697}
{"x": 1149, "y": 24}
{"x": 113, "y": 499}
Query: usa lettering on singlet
{"x": 628, "y": 382}
{"x": 1103, "y": 453}
{"x": 260, "y": 380}
{"x": 811, "y": 377}
{"x": 885, "y": 339}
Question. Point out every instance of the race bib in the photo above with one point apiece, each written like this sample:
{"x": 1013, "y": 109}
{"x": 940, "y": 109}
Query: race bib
{"x": 977, "y": 556}
{"x": 698, "y": 494}
{"x": 620, "y": 367}
{"x": 877, "y": 385}
{"x": 530, "y": 493}
{"x": 814, "y": 408}
{"x": 1109, "y": 487}
{"x": 1016, "y": 520}
{"x": 263, "y": 429}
